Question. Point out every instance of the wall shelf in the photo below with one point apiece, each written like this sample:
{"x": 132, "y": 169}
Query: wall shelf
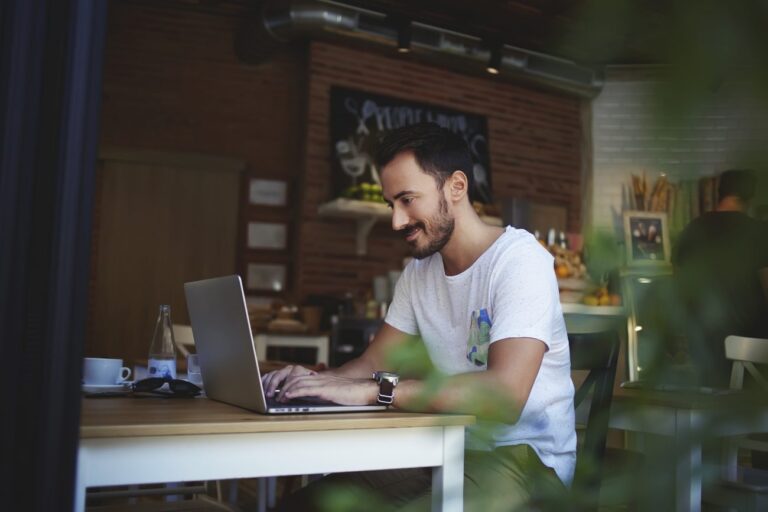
{"x": 366, "y": 214}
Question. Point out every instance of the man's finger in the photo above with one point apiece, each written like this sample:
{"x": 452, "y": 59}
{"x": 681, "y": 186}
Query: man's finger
{"x": 313, "y": 380}
{"x": 304, "y": 390}
{"x": 266, "y": 383}
{"x": 292, "y": 381}
{"x": 276, "y": 378}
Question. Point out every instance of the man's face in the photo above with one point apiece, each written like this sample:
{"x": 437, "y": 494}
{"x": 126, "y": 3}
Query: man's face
{"x": 420, "y": 211}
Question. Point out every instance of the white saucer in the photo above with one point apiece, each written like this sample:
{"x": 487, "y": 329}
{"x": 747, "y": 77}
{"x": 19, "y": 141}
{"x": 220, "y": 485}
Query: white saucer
{"x": 106, "y": 388}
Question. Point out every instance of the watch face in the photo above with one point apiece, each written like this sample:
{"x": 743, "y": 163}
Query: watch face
{"x": 389, "y": 376}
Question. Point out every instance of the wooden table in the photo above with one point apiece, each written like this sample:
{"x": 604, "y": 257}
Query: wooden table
{"x": 688, "y": 419}
{"x": 126, "y": 441}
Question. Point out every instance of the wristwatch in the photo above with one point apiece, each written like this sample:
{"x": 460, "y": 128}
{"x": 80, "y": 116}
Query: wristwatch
{"x": 387, "y": 382}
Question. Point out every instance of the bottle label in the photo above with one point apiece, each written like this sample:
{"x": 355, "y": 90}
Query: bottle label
{"x": 164, "y": 368}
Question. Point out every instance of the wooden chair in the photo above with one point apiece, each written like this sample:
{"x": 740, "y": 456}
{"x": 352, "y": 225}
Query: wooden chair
{"x": 597, "y": 352}
{"x": 745, "y": 353}
{"x": 743, "y": 488}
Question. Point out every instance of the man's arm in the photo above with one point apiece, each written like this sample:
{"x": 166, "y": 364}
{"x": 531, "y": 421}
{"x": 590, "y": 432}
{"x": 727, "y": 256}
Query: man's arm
{"x": 499, "y": 393}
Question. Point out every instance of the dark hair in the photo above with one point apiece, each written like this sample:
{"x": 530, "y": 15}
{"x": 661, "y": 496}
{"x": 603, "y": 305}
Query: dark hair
{"x": 438, "y": 151}
{"x": 737, "y": 182}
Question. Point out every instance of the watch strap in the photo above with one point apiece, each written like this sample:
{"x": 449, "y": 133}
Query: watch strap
{"x": 386, "y": 392}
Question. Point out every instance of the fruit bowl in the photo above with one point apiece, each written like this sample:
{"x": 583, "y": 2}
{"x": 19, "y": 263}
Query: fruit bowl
{"x": 571, "y": 296}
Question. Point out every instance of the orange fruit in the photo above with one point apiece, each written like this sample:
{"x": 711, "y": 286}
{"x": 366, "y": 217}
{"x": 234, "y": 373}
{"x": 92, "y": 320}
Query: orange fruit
{"x": 615, "y": 299}
{"x": 590, "y": 300}
{"x": 604, "y": 300}
{"x": 562, "y": 271}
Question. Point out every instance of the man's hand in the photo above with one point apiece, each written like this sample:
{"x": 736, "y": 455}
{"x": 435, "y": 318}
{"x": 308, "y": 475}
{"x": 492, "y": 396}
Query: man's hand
{"x": 273, "y": 380}
{"x": 326, "y": 386}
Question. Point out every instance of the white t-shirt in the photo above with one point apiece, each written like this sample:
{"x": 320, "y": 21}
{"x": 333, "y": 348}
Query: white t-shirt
{"x": 509, "y": 292}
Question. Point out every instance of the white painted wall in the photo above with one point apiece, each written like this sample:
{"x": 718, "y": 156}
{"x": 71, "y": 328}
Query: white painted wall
{"x": 628, "y": 139}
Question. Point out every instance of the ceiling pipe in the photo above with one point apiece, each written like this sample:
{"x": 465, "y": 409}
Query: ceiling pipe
{"x": 287, "y": 21}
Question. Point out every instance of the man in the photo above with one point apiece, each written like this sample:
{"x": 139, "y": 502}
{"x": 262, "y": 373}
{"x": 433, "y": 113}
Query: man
{"x": 721, "y": 263}
{"x": 484, "y": 301}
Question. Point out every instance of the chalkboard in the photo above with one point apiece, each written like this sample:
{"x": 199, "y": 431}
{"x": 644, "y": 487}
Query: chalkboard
{"x": 359, "y": 119}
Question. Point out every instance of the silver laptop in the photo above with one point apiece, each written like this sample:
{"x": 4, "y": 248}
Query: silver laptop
{"x": 228, "y": 361}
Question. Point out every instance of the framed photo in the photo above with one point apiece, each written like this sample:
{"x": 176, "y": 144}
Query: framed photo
{"x": 265, "y": 277}
{"x": 267, "y": 235}
{"x": 646, "y": 237}
{"x": 267, "y": 192}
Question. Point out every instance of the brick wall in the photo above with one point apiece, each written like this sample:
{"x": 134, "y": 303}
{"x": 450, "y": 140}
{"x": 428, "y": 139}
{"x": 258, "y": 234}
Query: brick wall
{"x": 172, "y": 82}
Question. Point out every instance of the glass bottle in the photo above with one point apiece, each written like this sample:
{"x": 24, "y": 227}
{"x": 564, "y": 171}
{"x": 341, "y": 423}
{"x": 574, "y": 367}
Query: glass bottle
{"x": 551, "y": 237}
{"x": 162, "y": 351}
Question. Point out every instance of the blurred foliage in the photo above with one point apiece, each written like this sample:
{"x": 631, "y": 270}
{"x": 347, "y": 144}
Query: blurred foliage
{"x": 701, "y": 42}
{"x": 410, "y": 359}
{"x": 346, "y": 499}
{"x": 700, "y": 52}
{"x": 602, "y": 254}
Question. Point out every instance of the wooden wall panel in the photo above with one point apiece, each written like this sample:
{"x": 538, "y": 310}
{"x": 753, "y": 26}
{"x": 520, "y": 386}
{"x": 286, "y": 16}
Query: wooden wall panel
{"x": 163, "y": 220}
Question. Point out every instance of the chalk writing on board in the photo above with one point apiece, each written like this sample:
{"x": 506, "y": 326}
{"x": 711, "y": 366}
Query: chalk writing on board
{"x": 358, "y": 119}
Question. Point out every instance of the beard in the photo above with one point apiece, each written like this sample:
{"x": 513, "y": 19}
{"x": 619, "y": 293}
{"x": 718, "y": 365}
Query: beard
{"x": 439, "y": 233}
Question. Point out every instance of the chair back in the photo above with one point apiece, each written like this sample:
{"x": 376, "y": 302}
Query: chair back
{"x": 597, "y": 352}
{"x": 745, "y": 352}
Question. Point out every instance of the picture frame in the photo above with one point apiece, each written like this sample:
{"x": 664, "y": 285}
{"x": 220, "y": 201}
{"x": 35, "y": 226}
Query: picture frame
{"x": 646, "y": 237}
{"x": 267, "y": 192}
{"x": 267, "y": 235}
{"x": 265, "y": 277}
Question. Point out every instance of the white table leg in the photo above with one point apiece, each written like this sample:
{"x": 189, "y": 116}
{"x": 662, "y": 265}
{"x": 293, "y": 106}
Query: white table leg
{"x": 262, "y": 506}
{"x": 688, "y": 471}
{"x": 448, "y": 479}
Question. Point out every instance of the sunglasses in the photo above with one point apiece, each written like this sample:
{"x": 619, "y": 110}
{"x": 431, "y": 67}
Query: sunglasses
{"x": 178, "y": 387}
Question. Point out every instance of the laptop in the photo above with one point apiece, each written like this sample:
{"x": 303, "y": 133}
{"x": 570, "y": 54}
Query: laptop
{"x": 228, "y": 362}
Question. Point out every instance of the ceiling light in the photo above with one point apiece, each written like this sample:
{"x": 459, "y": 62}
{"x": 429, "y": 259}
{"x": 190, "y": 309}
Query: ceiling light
{"x": 403, "y": 36}
{"x": 494, "y": 62}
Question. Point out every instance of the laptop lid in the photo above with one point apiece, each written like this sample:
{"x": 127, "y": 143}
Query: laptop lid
{"x": 228, "y": 361}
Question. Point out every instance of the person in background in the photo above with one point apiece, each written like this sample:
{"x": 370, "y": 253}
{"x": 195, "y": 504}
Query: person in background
{"x": 484, "y": 303}
{"x": 721, "y": 265}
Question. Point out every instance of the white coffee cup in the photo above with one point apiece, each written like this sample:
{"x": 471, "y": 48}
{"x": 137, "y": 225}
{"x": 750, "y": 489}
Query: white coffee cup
{"x": 101, "y": 371}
